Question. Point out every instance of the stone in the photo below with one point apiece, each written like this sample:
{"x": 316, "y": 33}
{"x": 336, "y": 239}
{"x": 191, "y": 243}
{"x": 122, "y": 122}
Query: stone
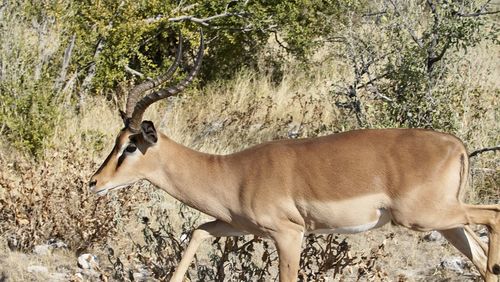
{"x": 183, "y": 237}
{"x": 483, "y": 235}
{"x": 456, "y": 264}
{"x": 88, "y": 261}
{"x": 434, "y": 236}
{"x": 58, "y": 276}
{"x": 37, "y": 269}
{"x": 56, "y": 244}
{"x": 294, "y": 129}
{"x": 78, "y": 277}
{"x": 138, "y": 276}
{"x": 255, "y": 127}
{"x": 47, "y": 248}
{"x": 42, "y": 249}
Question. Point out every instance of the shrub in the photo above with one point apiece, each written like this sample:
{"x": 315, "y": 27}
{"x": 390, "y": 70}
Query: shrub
{"x": 28, "y": 102}
{"x": 50, "y": 200}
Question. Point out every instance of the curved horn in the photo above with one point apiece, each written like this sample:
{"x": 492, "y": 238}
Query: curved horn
{"x": 133, "y": 95}
{"x": 145, "y": 102}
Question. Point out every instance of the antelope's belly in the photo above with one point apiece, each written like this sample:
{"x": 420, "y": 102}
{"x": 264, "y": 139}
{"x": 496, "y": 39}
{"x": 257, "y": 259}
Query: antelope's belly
{"x": 346, "y": 216}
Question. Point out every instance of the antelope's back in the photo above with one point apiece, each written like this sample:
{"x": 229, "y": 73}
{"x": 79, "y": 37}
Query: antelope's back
{"x": 349, "y": 164}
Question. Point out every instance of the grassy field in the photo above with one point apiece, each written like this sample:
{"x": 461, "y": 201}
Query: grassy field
{"x": 48, "y": 199}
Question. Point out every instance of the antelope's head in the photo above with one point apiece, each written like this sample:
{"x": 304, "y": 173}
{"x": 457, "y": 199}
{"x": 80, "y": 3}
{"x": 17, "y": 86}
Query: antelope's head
{"x": 136, "y": 146}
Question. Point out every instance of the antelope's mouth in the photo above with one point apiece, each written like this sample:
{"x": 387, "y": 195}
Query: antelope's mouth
{"x": 103, "y": 191}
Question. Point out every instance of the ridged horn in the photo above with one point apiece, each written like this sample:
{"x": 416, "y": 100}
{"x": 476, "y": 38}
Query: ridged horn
{"x": 146, "y": 101}
{"x": 134, "y": 94}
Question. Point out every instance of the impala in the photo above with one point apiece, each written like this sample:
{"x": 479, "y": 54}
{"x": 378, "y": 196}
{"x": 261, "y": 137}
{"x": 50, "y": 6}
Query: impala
{"x": 342, "y": 183}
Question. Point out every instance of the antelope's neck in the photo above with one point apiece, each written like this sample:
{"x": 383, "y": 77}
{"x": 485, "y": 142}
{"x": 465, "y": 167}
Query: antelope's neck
{"x": 200, "y": 180}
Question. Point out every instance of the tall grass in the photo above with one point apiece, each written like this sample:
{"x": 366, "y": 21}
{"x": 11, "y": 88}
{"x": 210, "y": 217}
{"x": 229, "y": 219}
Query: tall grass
{"x": 47, "y": 198}
{"x": 30, "y": 52}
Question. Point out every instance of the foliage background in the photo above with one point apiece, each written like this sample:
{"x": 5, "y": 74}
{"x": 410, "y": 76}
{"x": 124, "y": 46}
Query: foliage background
{"x": 272, "y": 70}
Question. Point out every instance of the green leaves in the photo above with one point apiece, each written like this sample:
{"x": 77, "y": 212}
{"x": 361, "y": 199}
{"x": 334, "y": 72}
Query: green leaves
{"x": 141, "y": 35}
{"x": 397, "y": 51}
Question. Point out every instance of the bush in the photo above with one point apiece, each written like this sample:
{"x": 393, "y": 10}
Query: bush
{"x": 28, "y": 103}
{"x": 243, "y": 258}
{"x": 50, "y": 200}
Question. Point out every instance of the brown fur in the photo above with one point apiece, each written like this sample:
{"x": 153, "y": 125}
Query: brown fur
{"x": 284, "y": 189}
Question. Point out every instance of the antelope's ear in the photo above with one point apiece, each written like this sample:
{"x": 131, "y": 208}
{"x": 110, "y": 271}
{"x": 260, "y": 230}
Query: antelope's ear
{"x": 149, "y": 132}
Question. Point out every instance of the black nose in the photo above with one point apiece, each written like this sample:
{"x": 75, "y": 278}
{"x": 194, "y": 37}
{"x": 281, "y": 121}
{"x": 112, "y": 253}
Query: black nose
{"x": 92, "y": 183}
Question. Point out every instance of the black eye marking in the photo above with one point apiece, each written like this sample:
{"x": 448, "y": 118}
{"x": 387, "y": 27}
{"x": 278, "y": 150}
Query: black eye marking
{"x": 128, "y": 150}
{"x": 120, "y": 161}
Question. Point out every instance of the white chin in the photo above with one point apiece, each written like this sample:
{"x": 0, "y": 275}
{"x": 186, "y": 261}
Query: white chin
{"x": 106, "y": 190}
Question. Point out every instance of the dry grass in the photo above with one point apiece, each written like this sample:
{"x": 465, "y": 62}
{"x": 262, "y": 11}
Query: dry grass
{"x": 19, "y": 266}
{"x": 49, "y": 199}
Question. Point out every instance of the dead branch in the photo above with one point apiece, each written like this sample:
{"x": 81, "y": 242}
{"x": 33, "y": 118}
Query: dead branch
{"x": 204, "y": 21}
{"x": 408, "y": 28}
{"x": 482, "y": 11}
{"x": 136, "y": 73}
{"x": 478, "y": 14}
{"x": 480, "y": 151}
{"x": 66, "y": 60}
{"x": 187, "y": 8}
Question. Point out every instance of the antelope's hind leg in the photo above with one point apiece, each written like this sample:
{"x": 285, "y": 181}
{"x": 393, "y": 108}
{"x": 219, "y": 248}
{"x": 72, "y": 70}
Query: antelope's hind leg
{"x": 468, "y": 244}
{"x": 488, "y": 215}
{"x": 455, "y": 216}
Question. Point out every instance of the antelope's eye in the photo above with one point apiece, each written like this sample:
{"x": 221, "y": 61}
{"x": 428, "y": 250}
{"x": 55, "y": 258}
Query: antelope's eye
{"x": 131, "y": 148}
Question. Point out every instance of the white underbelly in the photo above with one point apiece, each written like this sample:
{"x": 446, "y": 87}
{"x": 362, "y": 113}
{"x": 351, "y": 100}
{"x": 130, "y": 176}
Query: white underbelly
{"x": 383, "y": 217}
{"x": 352, "y": 215}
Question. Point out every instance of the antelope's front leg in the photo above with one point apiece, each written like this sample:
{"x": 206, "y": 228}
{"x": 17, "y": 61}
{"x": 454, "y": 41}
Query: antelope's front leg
{"x": 207, "y": 230}
{"x": 289, "y": 243}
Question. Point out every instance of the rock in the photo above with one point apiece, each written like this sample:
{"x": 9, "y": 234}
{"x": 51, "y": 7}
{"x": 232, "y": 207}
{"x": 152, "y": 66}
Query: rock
{"x": 138, "y": 276}
{"x": 37, "y": 269}
{"x": 88, "y": 261}
{"x": 434, "y": 236}
{"x": 483, "y": 235}
{"x": 456, "y": 264}
{"x": 255, "y": 127}
{"x": 90, "y": 273}
{"x": 77, "y": 277}
{"x": 294, "y": 134}
{"x": 294, "y": 130}
{"x": 184, "y": 237}
{"x": 47, "y": 248}
{"x": 213, "y": 127}
{"x": 42, "y": 249}
{"x": 12, "y": 243}
{"x": 56, "y": 244}
{"x": 58, "y": 276}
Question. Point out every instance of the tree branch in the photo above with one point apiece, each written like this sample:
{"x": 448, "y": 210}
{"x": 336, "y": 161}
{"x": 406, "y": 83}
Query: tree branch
{"x": 371, "y": 81}
{"x": 184, "y": 9}
{"x": 374, "y": 14}
{"x": 478, "y": 14}
{"x": 136, "y": 73}
{"x": 432, "y": 60}
{"x": 408, "y": 28}
{"x": 480, "y": 151}
{"x": 200, "y": 21}
{"x": 66, "y": 60}
{"x": 204, "y": 21}
{"x": 280, "y": 43}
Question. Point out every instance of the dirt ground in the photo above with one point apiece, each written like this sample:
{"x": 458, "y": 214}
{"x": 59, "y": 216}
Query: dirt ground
{"x": 405, "y": 256}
